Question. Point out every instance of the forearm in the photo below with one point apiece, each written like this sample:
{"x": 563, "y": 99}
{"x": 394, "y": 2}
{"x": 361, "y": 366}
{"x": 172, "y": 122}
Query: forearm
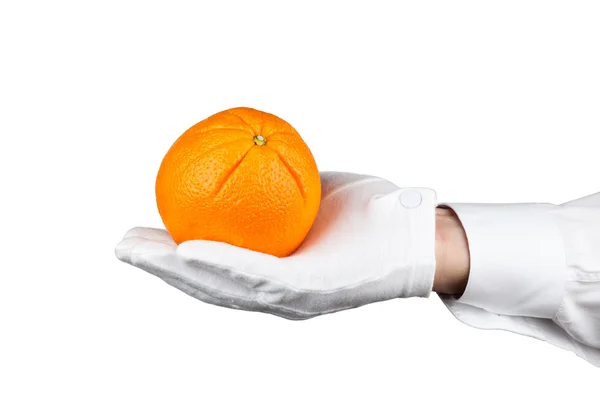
{"x": 532, "y": 268}
{"x": 452, "y": 254}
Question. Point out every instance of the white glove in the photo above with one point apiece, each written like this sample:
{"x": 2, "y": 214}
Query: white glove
{"x": 371, "y": 241}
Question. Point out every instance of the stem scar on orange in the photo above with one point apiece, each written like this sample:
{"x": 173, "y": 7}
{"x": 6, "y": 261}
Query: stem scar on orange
{"x": 243, "y": 177}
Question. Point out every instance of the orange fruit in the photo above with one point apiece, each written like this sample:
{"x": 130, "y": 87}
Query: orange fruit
{"x": 243, "y": 177}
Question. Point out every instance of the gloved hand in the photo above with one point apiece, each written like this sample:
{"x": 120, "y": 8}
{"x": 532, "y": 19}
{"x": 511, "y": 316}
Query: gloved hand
{"x": 371, "y": 241}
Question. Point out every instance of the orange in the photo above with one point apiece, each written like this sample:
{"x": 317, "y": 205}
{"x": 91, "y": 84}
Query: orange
{"x": 243, "y": 177}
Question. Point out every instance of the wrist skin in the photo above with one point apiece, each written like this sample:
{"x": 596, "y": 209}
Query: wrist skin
{"x": 452, "y": 254}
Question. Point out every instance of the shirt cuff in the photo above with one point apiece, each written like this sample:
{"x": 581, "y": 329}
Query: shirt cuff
{"x": 517, "y": 258}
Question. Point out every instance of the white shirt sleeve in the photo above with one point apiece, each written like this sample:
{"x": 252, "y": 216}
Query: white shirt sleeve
{"x": 535, "y": 271}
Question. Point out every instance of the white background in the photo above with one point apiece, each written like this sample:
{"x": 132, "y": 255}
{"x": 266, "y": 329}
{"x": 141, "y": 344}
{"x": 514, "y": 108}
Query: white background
{"x": 482, "y": 101}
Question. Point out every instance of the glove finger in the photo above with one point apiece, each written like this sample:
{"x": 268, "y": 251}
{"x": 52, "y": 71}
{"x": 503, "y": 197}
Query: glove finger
{"x": 213, "y": 285}
{"x": 154, "y": 234}
{"x": 258, "y": 271}
{"x": 199, "y": 294}
{"x": 143, "y": 246}
{"x": 130, "y": 248}
{"x": 161, "y": 259}
{"x": 197, "y": 279}
{"x": 274, "y": 284}
{"x": 236, "y": 303}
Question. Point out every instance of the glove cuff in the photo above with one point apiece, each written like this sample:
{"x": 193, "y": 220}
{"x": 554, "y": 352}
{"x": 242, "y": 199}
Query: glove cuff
{"x": 420, "y": 205}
